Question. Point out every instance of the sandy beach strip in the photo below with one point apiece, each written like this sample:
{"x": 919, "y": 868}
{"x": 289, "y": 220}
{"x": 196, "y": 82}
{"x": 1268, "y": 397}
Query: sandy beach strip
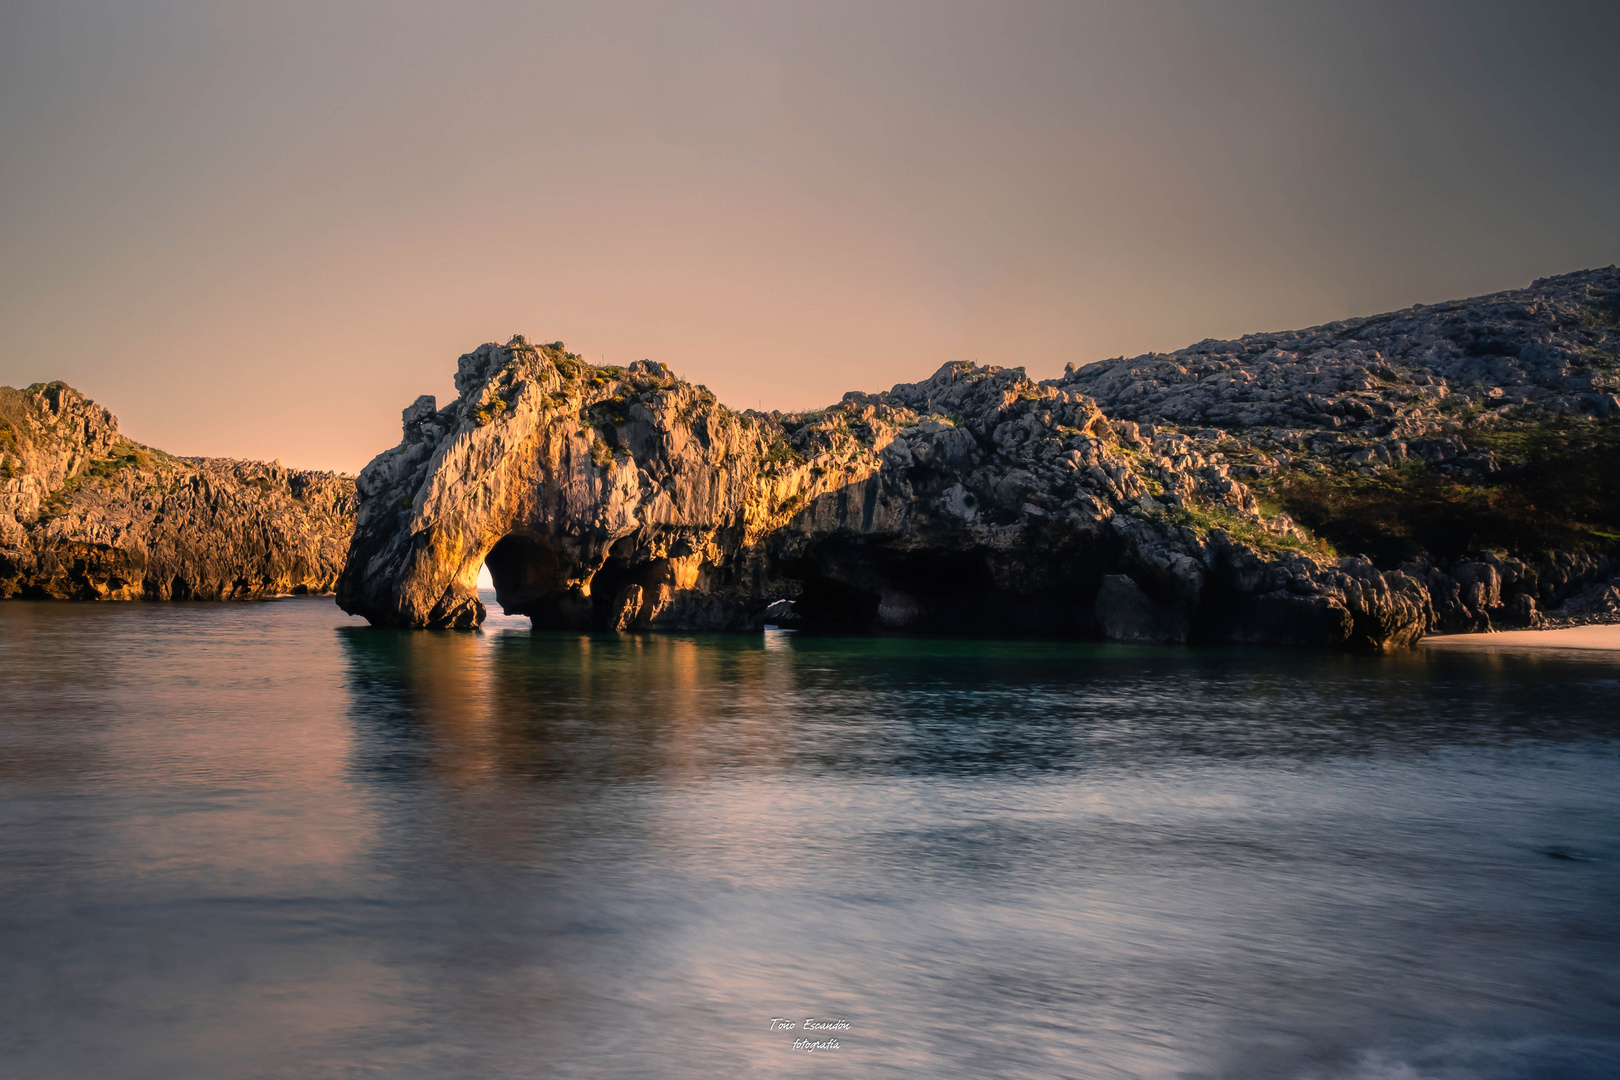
{"x": 1603, "y": 638}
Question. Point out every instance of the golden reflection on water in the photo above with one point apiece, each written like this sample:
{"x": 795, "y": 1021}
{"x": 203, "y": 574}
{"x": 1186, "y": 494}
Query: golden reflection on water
{"x": 510, "y": 705}
{"x": 554, "y": 705}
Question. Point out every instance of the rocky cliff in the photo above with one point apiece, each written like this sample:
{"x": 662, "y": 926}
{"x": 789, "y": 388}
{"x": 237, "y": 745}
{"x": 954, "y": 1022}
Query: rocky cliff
{"x": 1473, "y": 445}
{"x": 1360, "y": 483}
{"x": 88, "y": 514}
{"x": 977, "y": 501}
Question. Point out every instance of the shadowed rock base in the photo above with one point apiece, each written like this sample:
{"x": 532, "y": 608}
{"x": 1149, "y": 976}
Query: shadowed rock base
{"x": 976, "y": 502}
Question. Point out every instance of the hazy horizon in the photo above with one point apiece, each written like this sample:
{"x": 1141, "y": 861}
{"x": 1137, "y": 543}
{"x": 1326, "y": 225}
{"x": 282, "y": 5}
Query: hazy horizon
{"x": 262, "y": 233}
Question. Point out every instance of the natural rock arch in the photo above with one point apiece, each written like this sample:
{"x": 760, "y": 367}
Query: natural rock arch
{"x": 580, "y": 486}
{"x": 537, "y": 577}
{"x": 976, "y": 501}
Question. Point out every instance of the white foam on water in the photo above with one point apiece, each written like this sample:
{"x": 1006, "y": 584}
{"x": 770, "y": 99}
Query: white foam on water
{"x": 495, "y": 619}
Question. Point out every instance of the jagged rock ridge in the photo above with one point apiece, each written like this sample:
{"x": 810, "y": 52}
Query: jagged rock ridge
{"x": 1137, "y": 500}
{"x": 86, "y": 513}
{"x": 1471, "y": 444}
{"x": 976, "y": 501}
{"x": 1552, "y": 347}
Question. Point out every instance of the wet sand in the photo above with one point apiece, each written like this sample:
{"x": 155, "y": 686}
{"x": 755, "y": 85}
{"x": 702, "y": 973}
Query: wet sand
{"x": 1571, "y": 637}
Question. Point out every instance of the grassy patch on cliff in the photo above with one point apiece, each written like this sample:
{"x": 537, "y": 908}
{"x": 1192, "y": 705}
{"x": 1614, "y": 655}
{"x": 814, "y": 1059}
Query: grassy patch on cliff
{"x": 13, "y": 408}
{"x": 1601, "y": 315}
{"x": 489, "y": 412}
{"x": 783, "y": 452}
{"x": 8, "y": 447}
{"x": 128, "y": 455}
{"x": 13, "y": 416}
{"x": 1557, "y": 489}
{"x": 1204, "y": 519}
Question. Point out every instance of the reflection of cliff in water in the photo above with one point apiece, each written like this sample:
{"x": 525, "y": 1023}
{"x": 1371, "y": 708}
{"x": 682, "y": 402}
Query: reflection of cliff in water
{"x": 567, "y": 706}
{"x": 604, "y": 835}
{"x": 500, "y": 708}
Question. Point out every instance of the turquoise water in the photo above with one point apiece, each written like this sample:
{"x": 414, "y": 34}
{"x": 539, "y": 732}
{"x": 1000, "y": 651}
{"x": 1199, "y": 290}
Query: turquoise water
{"x": 267, "y": 841}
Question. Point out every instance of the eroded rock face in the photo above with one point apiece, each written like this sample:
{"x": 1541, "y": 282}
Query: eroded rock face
{"x": 977, "y": 501}
{"x": 1497, "y": 591}
{"x": 1470, "y": 410}
{"x": 88, "y": 514}
{"x": 1119, "y": 500}
{"x": 1549, "y": 348}
{"x": 600, "y": 497}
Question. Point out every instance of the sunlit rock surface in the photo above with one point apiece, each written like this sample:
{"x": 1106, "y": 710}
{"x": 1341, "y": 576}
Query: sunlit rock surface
{"x": 88, "y": 514}
{"x": 1447, "y": 467}
{"x": 977, "y": 501}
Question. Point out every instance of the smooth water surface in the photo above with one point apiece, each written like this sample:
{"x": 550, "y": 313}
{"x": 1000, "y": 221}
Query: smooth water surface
{"x": 268, "y": 841}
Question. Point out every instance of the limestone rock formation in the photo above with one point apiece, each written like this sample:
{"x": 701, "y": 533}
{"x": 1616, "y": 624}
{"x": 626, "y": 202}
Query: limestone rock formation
{"x": 600, "y": 497}
{"x": 86, "y": 513}
{"x": 1450, "y": 467}
{"x": 1473, "y": 445}
{"x": 976, "y": 501}
{"x": 1548, "y": 349}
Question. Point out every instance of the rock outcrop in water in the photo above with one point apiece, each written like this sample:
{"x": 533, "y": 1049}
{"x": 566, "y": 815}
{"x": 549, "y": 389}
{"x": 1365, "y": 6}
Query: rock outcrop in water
{"x": 977, "y": 501}
{"x": 88, "y": 514}
{"x": 1136, "y": 500}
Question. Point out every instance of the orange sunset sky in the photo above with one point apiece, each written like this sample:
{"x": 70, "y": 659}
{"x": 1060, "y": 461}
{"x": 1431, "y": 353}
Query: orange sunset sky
{"x": 260, "y": 230}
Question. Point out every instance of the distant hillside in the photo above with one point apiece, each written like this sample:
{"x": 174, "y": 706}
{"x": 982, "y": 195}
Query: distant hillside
{"x": 86, "y": 513}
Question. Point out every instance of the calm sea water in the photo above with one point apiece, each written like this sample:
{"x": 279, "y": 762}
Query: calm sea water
{"x": 267, "y": 841}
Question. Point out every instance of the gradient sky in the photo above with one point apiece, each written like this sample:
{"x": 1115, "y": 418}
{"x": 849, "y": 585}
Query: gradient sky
{"x": 260, "y": 230}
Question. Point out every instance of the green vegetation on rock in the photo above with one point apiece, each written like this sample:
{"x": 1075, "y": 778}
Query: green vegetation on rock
{"x": 1556, "y": 488}
{"x": 1203, "y": 519}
